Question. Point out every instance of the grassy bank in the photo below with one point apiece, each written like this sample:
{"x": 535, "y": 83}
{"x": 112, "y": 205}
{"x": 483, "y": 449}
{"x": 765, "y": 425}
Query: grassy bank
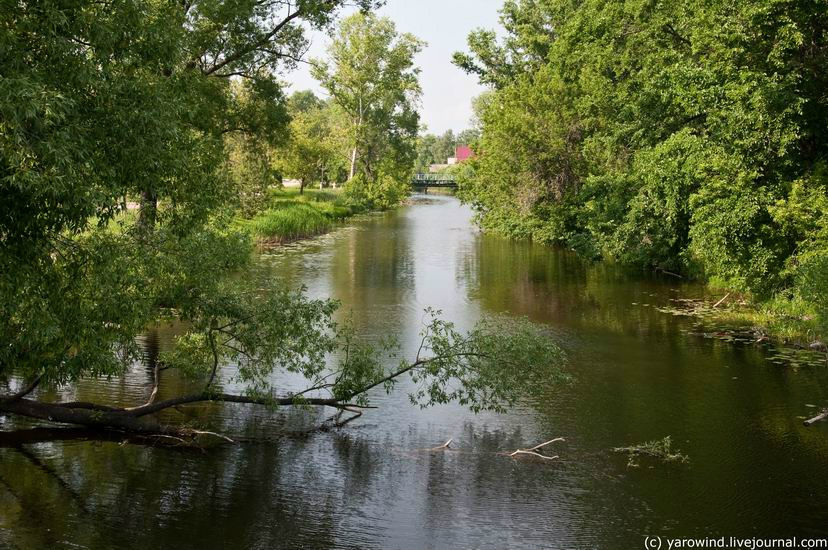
{"x": 291, "y": 216}
{"x": 782, "y": 321}
{"x": 788, "y": 322}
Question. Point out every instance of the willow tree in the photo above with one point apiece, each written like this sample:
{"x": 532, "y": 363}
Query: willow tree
{"x": 101, "y": 103}
{"x": 372, "y": 77}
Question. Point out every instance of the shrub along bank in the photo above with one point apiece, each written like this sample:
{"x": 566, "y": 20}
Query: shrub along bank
{"x": 687, "y": 137}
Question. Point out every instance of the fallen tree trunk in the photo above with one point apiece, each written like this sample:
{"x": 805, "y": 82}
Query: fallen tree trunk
{"x": 823, "y": 415}
{"x": 134, "y": 419}
{"x": 86, "y": 414}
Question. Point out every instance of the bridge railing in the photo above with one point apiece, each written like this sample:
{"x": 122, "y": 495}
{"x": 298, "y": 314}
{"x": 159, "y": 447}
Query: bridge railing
{"x": 433, "y": 178}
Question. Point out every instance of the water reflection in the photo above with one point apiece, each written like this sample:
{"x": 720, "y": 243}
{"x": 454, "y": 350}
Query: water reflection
{"x": 754, "y": 469}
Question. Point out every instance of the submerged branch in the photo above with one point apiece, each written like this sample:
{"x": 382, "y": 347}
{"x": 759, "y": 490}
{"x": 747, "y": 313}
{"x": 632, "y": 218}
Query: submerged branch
{"x": 823, "y": 415}
{"x": 24, "y": 392}
{"x": 482, "y": 365}
{"x": 156, "y": 382}
{"x": 533, "y": 450}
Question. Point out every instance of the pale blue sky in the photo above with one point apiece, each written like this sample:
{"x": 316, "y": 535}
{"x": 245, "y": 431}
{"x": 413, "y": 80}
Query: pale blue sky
{"x": 444, "y": 24}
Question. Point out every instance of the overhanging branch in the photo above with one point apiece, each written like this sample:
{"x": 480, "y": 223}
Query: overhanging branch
{"x": 24, "y": 392}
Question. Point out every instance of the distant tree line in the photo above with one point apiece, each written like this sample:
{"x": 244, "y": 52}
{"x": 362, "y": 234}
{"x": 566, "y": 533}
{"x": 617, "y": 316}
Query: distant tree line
{"x": 363, "y": 133}
{"x": 436, "y": 149}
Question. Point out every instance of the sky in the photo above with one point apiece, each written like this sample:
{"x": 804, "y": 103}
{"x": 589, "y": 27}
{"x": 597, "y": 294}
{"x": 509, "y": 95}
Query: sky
{"x": 444, "y": 25}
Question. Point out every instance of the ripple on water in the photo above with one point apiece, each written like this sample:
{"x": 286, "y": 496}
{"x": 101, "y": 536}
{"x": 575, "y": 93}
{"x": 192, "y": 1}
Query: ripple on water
{"x": 638, "y": 377}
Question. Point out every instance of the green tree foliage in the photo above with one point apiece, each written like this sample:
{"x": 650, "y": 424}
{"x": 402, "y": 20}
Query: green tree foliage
{"x": 373, "y": 80}
{"x": 102, "y": 103}
{"x": 433, "y": 149}
{"x": 683, "y": 136}
{"x": 314, "y": 151}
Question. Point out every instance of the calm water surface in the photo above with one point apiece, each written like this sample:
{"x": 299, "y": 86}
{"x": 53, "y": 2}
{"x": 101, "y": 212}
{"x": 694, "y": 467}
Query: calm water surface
{"x": 753, "y": 471}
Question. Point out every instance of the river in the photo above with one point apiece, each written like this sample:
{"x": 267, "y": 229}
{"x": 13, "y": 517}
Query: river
{"x": 640, "y": 375}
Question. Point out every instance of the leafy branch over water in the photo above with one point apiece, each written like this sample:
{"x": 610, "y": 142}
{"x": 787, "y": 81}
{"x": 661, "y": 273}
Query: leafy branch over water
{"x": 660, "y": 449}
{"x": 487, "y": 368}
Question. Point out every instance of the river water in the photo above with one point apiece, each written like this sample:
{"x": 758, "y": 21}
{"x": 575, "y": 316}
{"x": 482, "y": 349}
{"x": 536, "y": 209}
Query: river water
{"x": 754, "y": 470}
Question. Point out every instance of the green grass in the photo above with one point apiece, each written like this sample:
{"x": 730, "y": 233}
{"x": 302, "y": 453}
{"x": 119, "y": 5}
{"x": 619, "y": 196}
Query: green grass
{"x": 288, "y": 221}
{"x": 291, "y": 216}
{"x": 782, "y": 320}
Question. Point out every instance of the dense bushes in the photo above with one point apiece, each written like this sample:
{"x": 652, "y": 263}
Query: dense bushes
{"x": 684, "y": 136}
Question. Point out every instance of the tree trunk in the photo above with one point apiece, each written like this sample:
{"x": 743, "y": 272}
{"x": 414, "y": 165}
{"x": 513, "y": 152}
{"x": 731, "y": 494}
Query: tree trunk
{"x": 93, "y": 418}
{"x": 301, "y": 186}
{"x": 135, "y": 419}
{"x": 353, "y": 163}
{"x": 147, "y": 211}
{"x": 356, "y": 140}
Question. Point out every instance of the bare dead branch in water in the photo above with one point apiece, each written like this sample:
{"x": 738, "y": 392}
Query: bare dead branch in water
{"x": 356, "y": 414}
{"x": 722, "y": 300}
{"x": 522, "y": 452}
{"x": 821, "y": 416}
{"x": 214, "y": 434}
{"x": 156, "y": 381}
{"x": 442, "y": 447}
{"x": 532, "y": 451}
{"x": 670, "y": 273}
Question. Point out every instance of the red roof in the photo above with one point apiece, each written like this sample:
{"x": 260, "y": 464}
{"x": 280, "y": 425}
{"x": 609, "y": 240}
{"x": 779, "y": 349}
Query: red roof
{"x": 463, "y": 152}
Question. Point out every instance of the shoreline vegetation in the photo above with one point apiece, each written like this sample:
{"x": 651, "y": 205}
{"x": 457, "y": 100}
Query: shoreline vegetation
{"x": 648, "y": 136}
{"x": 737, "y": 319}
{"x": 290, "y": 216}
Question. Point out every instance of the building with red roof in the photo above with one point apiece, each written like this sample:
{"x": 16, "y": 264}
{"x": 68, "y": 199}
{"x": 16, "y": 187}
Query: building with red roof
{"x": 463, "y": 152}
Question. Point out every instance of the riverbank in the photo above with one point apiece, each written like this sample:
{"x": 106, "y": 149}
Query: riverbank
{"x": 291, "y": 216}
{"x": 782, "y": 321}
{"x": 733, "y": 317}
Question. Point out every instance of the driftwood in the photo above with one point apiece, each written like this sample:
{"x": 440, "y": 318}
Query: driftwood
{"x": 670, "y": 273}
{"x": 442, "y": 447}
{"x": 821, "y": 416}
{"x": 517, "y": 453}
{"x": 532, "y": 452}
{"x": 720, "y": 301}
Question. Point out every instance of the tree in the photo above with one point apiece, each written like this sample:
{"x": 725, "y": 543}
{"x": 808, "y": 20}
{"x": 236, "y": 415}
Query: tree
{"x": 249, "y": 155}
{"x": 100, "y": 103}
{"x": 311, "y": 153}
{"x": 671, "y": 136}
{"x": 530, "y": 26}
{"x": 443, "y": 147}
{"x": 425, "y": 152}
{"x": 373, "y": 79}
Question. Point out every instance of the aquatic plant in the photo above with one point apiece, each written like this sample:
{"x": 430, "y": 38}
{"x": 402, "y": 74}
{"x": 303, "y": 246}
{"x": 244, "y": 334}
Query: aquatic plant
{"x": 660, "y": 449}
{"x": 287, "y": 221}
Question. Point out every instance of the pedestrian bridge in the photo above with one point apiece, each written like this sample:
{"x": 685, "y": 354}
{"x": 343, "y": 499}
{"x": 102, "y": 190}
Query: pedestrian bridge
{"x": 433, "y": 180}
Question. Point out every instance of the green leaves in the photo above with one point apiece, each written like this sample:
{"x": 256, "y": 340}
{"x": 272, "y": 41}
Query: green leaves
{"x": 670, "y": 135}
{"x": 488, "y": 368}
{"x": 102, "y": 104}
{"x": 373, "y": 80}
